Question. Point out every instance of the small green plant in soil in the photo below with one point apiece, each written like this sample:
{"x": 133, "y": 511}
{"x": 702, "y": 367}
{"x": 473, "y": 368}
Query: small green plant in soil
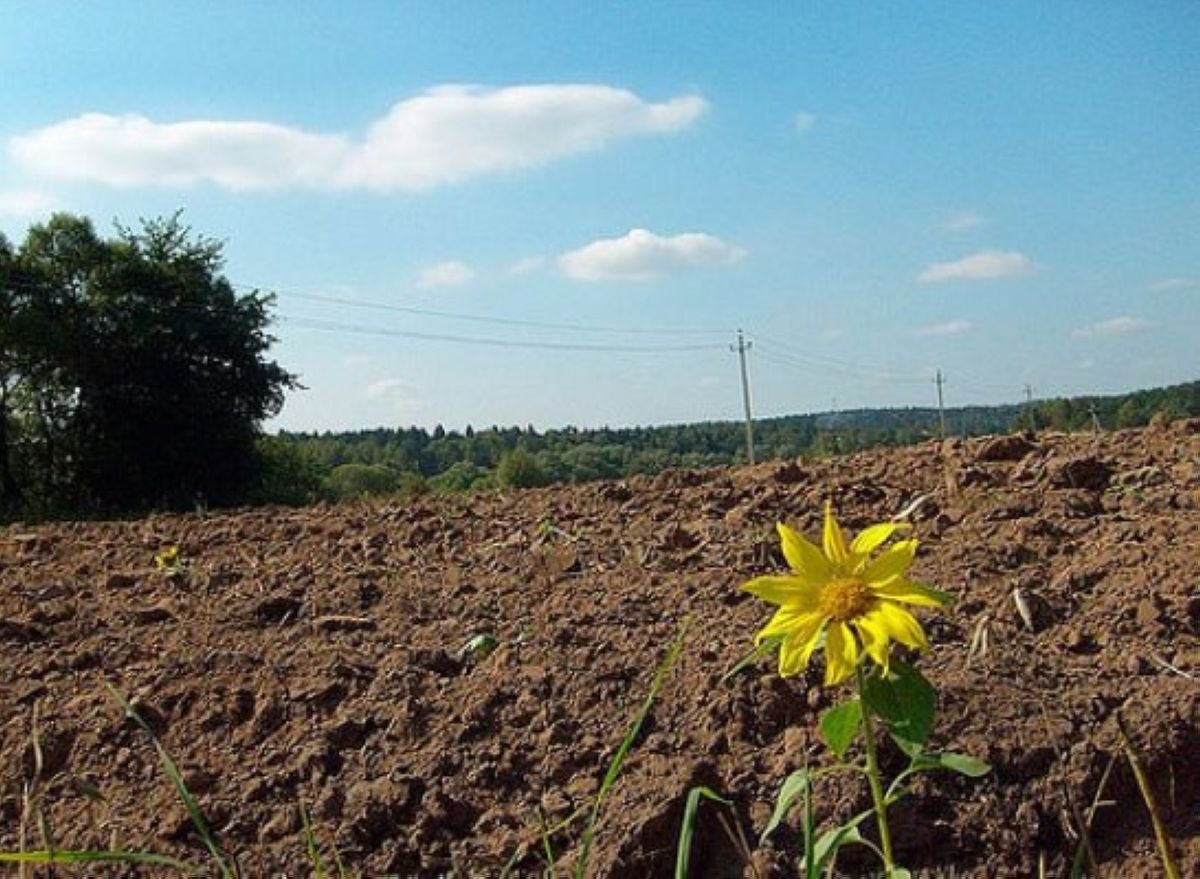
{"x": 853, "y": 598}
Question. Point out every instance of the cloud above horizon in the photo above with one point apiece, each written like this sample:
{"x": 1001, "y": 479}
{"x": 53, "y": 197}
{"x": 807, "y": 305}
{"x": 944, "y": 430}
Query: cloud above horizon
{"x": 1116, "y": 326}
{"x": 527, "y": 265}
{"x": 451, "y": 273}
{"x": 986, "y": 265}
{"x": 397, "y": 393}
{"x": 444, "y": 135}
{"x": 960, "y": 221}
{"x": 949, "y": 328}
{"x": 26, "y": 203}
{"x": 1173, "y": 284}
{"x": 641, "y": 255}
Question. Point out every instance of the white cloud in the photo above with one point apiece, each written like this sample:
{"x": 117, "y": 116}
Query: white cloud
{"x": 355, "y": 361}
{"x": 960, "y": 221}
{"x": 445, "y": 274}
{"x": 805, "y": 122}
{"x": 26, "y": 204}
{"x": 1116, "y": 326}
{"x": 641, "y": 255}
{"x": 833, "y": 333}
{"x": 1173, "y": 284}
{"x": 986, "y": 265}
{"x": 131, "y": 150}
{"x": 398, "y": 392}
{"x": 382, "y": 387}
{"x": 444, "y": 135}
{"x": 387, "y": 386}
{"x": 949, "y": 328}
{"x": 527, "y": 265}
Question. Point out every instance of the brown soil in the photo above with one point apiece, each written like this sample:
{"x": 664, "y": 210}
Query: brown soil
{"x": 311, "y": 657}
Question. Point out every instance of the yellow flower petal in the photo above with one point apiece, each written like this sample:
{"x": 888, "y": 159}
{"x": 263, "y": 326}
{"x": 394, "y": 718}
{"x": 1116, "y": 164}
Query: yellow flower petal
{"x": 790, "y": 592}
{"x": 870, "y": 539}
{"x": 834, "y": 542}
{"x": 802, "y": 557}
{"x": 900, "y": 589}
{"x": 798, "y": 647}
{"x": 892, "y": 562}
{"x": 899, "y": 624}
{"x": 787, "y": 621}
{"x": 875, "y": 640}
{"x": 841, "y": 653}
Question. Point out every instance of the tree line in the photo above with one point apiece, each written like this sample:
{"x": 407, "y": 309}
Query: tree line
{"x": 412, "y": 460}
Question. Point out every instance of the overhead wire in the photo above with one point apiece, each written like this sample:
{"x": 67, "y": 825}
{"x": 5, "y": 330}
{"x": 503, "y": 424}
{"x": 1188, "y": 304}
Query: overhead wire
{"x": 478, "y": 318}
{"x": 488, "y": 341}
{"x": 337, "y": 326}
{"x": 830, "y": 366}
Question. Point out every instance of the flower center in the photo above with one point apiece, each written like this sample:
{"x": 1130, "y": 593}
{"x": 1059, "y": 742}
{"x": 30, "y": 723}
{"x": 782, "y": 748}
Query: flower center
{"x": 846, "y": 599}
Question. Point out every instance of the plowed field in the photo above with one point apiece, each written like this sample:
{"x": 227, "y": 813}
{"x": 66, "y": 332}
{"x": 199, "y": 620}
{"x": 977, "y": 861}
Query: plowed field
{"x": 313, "y": 657}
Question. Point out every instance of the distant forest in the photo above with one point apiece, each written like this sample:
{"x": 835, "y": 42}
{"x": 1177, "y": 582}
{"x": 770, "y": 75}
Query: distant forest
{"x": 303, "y": 467}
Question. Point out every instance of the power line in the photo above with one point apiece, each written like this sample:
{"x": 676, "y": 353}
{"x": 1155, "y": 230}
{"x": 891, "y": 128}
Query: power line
{"x": 361, "y": 329}
{"x": 868, "y": 371}
{"x": 769, "y": 352}
{"x": 336, "y": 326}
{"x": 475, "y": 318}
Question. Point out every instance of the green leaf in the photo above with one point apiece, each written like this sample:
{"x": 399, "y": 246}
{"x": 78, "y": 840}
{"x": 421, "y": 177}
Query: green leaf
{"x": 963, "y": 764}
{"x": 824, "y": 852}
{"x": 905, "y": 701}
{"x": 688, "y": 828}
{"x": 830, "y": 841}
{"x": 798, "y": 784}
{"x": 479, "y": 647}
{"x": 767, "y": 646}
{"x": 944, "y": 597}
{"x": 840, "y": 724}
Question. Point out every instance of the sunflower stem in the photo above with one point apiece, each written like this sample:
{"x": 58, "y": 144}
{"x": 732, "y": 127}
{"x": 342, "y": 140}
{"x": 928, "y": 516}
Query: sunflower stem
{"x": 873, "y": 777}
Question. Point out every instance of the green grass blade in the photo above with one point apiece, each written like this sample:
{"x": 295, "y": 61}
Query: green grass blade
{"x": 688, "y": 828}
{"x": 631, "y": 734}
{"x": 767, "y": 646}
{"x": 310, "y": 845}
{"x": 143, "y": 859}
{"x": 189, "y": 801}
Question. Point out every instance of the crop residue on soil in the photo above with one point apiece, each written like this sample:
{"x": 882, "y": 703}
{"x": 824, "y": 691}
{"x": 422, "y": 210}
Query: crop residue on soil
{"x": 312, "y": 657}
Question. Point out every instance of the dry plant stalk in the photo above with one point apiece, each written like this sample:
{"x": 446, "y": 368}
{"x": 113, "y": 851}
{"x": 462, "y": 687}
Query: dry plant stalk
{"x": 1170, "y": 865}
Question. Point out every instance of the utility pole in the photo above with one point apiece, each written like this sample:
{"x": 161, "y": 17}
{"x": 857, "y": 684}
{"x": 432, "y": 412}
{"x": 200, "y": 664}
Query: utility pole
{"x": 939, "y": 381}
{"x": 741, "y": 348}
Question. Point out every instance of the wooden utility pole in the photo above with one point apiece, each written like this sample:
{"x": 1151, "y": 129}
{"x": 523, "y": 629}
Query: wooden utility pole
{"x": 939, "y": 381}
{"x": 741, "y": 348}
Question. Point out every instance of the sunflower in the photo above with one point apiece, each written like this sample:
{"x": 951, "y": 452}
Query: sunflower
{"x": 857, "y": 600}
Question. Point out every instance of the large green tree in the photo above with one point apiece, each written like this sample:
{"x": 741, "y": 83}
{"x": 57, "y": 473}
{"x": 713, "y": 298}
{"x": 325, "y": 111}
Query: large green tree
{"x": 132, "y": 373}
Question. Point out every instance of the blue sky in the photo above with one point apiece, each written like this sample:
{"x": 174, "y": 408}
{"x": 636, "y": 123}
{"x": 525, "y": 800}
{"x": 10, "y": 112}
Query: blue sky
{"x": 559, "y": 213}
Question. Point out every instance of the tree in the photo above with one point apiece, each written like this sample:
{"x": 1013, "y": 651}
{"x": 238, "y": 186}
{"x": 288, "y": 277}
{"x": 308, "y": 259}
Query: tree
{"x": 138, "y": 376}
{"x": 519, "y": 469}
